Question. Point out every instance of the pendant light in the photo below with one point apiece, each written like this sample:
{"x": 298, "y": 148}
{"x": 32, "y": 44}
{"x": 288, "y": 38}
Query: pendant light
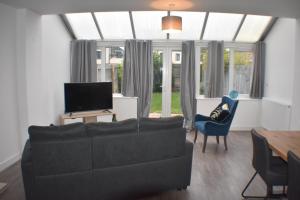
{"x": 171, "y": 24}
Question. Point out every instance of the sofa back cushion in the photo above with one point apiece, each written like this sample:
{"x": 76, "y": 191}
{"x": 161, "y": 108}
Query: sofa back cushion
{"x": 149, "y": 124}
{"x": 114, "y": 143}
{"x": 60, "y": 149}
{"x": 112, "y": 128}
{"x": 156, "y": 143}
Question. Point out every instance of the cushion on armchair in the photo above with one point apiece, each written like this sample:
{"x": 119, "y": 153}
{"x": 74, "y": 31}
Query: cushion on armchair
{"x": 220, "y": 113}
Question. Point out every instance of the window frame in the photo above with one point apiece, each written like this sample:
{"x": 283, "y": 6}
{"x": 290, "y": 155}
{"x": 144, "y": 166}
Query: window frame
{"x": 233, "y": 46}
{"x": 102, "y": 45}
{"x": 176, "y": 44}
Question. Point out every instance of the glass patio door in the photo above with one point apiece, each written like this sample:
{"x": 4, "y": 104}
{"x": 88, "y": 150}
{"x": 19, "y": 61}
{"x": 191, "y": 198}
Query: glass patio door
{"x": 166, "y": 82}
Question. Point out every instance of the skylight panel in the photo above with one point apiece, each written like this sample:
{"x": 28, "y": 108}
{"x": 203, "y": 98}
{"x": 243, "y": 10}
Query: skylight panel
{"x": 114, "y": 25}
{"x": 222, "y": 26}
{"x": 83, "y": 26}
{"x": 192, "y": 23}
{"x": 147, "y": 24}
{"x": 253, "y": 27}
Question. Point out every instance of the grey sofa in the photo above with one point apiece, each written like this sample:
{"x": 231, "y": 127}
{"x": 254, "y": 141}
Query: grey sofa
{"x": 120, "y": 160}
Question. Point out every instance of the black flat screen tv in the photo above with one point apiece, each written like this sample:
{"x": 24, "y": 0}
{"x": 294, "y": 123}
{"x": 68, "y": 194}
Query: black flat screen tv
{"x": 88, "y": 96}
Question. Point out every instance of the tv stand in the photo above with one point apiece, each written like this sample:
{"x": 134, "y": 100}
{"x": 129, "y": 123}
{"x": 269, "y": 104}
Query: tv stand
{"x": 88, "y": 116}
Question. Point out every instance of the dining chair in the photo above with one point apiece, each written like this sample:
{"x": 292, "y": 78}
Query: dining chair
{"x": 272, "y": 169}
{"x": 209, "y": 127}
{"x": 293, "y": 176}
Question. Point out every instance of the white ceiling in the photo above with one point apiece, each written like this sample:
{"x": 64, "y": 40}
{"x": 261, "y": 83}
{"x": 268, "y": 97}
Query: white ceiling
{"x": 277, "y": 8}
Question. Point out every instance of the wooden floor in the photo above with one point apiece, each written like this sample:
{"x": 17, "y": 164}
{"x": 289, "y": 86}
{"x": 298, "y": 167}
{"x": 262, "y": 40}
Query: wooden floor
{"x": 216, "y": 175}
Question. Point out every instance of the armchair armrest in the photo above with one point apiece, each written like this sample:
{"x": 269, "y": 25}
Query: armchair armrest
{"x": 199, "y": 117}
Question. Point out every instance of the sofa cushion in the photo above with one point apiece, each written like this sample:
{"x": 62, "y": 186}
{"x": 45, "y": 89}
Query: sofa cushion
{"x": 47, "y": 133}
{"x": 147, "y": 124}
{"x": 60, "y": 149}
{"x": 131, "y": 148}
{"x": 110, "y": 128}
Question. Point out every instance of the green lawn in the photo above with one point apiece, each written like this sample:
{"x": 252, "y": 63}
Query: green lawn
{"x": 157, "y": 101}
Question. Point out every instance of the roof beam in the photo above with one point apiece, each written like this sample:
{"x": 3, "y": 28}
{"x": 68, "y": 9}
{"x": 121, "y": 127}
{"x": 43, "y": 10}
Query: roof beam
{"x": 204, "y": 26}
{"x": 97, "y": 25}
{"x": 239, "y": 28}
{"x": 132, "y": 25}
{"x": 68, "y": 26}
{"x": 268, "y": 29}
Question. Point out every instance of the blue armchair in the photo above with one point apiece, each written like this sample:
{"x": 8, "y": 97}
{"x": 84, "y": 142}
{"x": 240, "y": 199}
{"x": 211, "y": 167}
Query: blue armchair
{"x": 209, "y": 127}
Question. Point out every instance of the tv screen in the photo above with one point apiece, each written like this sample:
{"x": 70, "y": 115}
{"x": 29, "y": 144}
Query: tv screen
{"x": 88, "y": 96}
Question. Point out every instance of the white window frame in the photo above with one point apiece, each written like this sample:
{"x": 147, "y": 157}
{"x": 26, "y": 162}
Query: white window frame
{"x": 102, "y": 45}
{"x": 227, "y": 45}
{"x": 167, "y": 46}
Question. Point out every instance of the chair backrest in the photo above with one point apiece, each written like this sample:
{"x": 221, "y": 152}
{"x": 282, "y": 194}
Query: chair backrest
{"x": 231, "y": 103}
{"x": 261, "y": 154}
{"x": 232, "y": 108}
{"x": 293, "y": 176}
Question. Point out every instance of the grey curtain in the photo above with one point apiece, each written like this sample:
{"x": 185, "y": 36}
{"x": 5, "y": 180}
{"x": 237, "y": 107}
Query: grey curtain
{"x": 257, "y": 86}
{"x": 187, "y": 86}
{"x": 83, "y": 61}
{"x": 138, "y": 74}
{"x": 215, "y": 71}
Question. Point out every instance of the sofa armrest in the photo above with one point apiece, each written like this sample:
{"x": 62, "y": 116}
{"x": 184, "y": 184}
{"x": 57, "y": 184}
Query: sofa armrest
{"x": 27, "y": 171}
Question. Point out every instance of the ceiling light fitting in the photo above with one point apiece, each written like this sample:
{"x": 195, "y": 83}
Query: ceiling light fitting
{"x": 171, "y": 24}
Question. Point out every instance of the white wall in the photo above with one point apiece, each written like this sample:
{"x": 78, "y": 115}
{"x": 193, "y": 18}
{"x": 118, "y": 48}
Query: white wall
{"x": 280, "y": 107}
{"x": 9, "y": 139}
{"x": 247, "y": 115}
{"x": 280, "y": 54}
{"x": 56, "y": 65}
{"x": 295, "y": 118}
{"x": 34, "y": 55}
{"x": 43, "y": 67}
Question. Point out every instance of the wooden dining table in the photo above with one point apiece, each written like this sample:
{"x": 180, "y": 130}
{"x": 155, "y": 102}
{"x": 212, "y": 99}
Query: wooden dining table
{"x": 282, "y": 141}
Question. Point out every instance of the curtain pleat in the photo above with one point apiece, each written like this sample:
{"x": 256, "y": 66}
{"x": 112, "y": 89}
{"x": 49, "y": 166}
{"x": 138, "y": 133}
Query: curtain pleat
{"x": 138, "y": 74}
{"x": 83, "y": 61}
{"x": 257, "y": 85}
{"x": 215, "y": 71}
{"x": 187, "y": 83}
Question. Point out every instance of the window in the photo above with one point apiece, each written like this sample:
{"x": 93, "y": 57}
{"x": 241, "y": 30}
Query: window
{"x": 114, "y": 25}
{"x": 242, "y": 71}
{"x": 238, "y": 69}
{"x": 83, "y": 26}
{"x": 252, "y": 28}
{"x": 222, "y": 26}
{"x": 203, "y": 70}
{"x": 176, "y": 57}
{"x": 175, "y": 87}
{"x": 192, "y": 24}
{"x": 147, "y": 24}
{"x": 111, "y": 70}
{"x": 226, "y": 69}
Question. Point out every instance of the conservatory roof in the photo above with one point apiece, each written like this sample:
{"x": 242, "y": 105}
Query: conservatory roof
{"x": 147, "y": 25}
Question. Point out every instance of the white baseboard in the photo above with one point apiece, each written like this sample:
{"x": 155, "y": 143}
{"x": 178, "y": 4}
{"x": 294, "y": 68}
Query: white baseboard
{"x": 9, "y": 161}
{"x": 243, "y": 128}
